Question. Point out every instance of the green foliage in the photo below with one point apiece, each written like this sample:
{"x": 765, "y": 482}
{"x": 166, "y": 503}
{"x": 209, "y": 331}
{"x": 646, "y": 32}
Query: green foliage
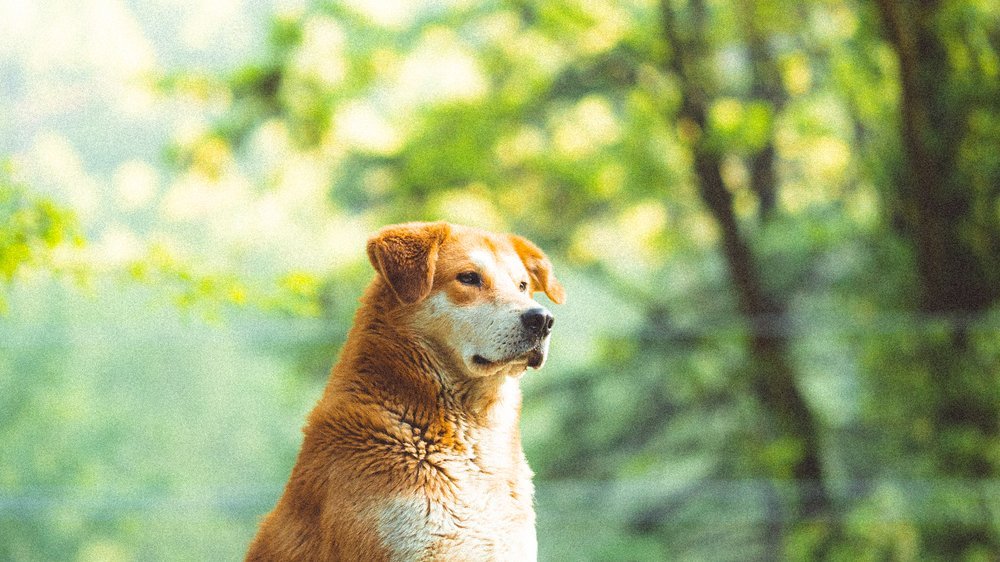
{"x": 31, "y": 229}
{"x": 120, "y": 441}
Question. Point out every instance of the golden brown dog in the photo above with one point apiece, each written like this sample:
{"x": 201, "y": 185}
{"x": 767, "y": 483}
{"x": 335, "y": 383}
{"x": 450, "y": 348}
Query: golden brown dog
{"x": 413, "y": 452}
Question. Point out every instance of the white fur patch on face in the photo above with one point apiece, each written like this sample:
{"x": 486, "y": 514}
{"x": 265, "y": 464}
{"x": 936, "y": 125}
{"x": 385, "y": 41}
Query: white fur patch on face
{"x": 483, "y": 259}
{"x": 507, "y": 274}
{"x": 515, "y": 268}
{"x": 488, "y": 336}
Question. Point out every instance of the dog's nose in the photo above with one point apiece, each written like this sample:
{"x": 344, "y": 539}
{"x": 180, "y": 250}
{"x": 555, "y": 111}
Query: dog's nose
{"x": 538, "y": 321}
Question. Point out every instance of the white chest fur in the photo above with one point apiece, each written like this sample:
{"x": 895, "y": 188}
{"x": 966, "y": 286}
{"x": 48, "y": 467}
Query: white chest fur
{"x": 422, "y": 529}
{"x": 484, "y": 510}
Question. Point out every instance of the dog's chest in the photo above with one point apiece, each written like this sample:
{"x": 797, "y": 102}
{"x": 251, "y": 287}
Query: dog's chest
{"x": 470, "y": 505}
{"x": 472, "y": 498}
{"x": 480, "y": 527}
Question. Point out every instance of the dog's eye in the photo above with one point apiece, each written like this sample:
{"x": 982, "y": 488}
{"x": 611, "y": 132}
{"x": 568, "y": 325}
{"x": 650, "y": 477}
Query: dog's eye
{"x": 470, "y": 278}
{"x": 523, "y": 286}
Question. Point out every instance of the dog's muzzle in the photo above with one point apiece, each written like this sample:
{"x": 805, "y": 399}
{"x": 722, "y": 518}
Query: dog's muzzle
{"x": 536, "y": 324}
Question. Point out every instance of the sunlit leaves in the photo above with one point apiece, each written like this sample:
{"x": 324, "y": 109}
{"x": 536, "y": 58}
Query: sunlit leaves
{"x": 302, "y": 293}
{"x": 590, "y": 125}
{"x": 361, "y": 128}
{"x": 189, "y": 287}
{"x": 741, "y": 127}
{"x": 796, "y": 73}
{"x": 32, "y": 228}
{"x": 210, "y": 293}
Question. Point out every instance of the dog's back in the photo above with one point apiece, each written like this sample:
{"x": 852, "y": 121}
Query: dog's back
{"x": 413, "y": 452}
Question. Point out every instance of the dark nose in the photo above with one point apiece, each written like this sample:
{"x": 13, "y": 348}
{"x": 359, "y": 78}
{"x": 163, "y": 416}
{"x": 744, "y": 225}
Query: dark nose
{"x": 538, "y": 321}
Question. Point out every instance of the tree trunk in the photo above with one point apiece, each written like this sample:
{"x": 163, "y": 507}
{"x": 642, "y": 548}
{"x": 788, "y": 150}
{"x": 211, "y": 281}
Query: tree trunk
{"x": 955, "y": 284}
{"x": 935, "y": 205}
{"x": 772, "y": 374}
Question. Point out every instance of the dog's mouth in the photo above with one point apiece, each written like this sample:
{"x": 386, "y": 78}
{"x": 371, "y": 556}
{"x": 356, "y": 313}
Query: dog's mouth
{"x": 481, "y": 361}
{"x": 534, "y": 358}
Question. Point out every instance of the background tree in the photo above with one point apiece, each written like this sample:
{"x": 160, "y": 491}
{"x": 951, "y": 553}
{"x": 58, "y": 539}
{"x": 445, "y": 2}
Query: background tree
{"x": 942, "y": 194}
{"x": 772, "y": 377}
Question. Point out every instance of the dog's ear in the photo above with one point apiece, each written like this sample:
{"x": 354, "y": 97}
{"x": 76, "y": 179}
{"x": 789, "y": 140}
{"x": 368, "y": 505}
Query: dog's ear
{"x": 540, "y": 269}
{"x": 405, "y": 256}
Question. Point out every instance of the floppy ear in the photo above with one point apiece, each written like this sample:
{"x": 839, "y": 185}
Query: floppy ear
{"x": 405, "y": 255}
{"x": 540, "y": 269}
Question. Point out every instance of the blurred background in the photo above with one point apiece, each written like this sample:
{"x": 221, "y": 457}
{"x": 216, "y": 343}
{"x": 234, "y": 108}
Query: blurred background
{"x": 778, "y": 224}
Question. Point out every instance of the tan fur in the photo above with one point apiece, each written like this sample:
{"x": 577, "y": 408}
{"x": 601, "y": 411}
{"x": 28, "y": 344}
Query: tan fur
{"x": 413, "y": 452}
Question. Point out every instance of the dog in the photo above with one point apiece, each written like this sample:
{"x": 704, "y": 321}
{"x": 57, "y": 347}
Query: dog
{"x": 413, "y": 452}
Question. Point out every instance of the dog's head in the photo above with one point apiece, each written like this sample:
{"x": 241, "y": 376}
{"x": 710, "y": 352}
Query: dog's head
{"x": 470, "y": 292}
